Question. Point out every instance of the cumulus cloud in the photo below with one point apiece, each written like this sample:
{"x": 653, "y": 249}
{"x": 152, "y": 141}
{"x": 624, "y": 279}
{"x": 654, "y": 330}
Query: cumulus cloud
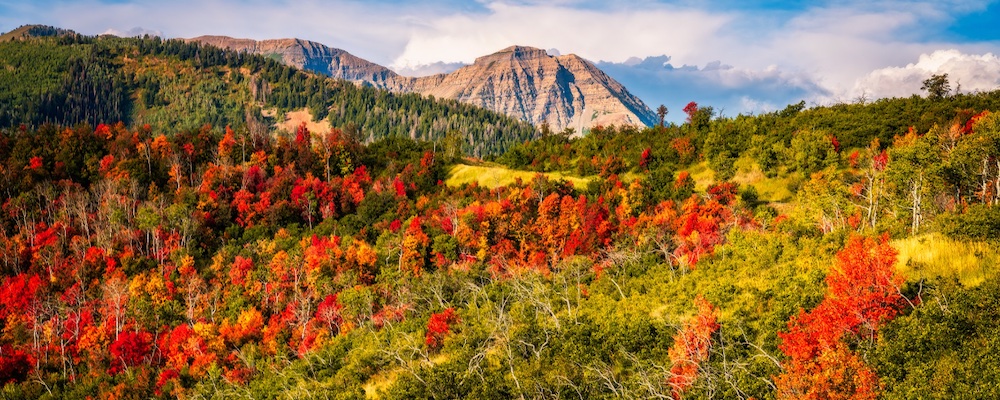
{"x": 730, "y": 90}
{"x": 134, "y": 32}
{"x": 429, "y": 69}
{"x": 615, "y": 34}
{"x": 973, "y": 72}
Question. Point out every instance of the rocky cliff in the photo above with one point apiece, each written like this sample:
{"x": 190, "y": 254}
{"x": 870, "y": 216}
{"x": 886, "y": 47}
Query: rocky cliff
{"x": 524, "y": 82}
{"x": 563, "y": 92}
{"x": 315, "y": 57}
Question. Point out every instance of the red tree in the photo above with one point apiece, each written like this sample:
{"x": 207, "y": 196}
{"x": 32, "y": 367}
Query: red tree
{"x": 129, "y": 350}
{"x": 862, "y": 294}
{"x": 438, "y": 327}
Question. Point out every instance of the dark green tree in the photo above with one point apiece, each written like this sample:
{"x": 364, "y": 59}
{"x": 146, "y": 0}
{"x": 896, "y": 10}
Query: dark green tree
{"x": 937, "y": 86}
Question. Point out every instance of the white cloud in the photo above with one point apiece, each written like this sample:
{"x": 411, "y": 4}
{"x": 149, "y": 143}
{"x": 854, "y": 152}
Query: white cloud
{"x": 593, "y": 34}
{"x": 974, "y": 72}
{"x": 429, "y": 69}
{"x": 730, "y": 90}
{"x": 134, "y": 32}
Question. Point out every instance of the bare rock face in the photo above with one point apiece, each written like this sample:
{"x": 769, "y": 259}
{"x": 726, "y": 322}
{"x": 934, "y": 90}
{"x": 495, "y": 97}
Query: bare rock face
{"x": 523, "y": 82}
{"x": 563, "y": 92}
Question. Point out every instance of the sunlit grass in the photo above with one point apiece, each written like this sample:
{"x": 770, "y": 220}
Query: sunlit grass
{"x": 493, "y": 175}
{"x": 380, "y": 383}
{"x": 771, "y": 190}
{"x": 934, "y": 255}
{"x": 703, "y": 176}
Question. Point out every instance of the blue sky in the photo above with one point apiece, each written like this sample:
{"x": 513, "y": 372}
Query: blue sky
{"x": 738, "y": 56}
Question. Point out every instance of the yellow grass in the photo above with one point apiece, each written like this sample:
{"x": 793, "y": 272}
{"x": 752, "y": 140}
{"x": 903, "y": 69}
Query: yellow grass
{"x": 379, "y": 383}
{"x": 492, "y": 175}
{"x": 933, "y": 255}
{"x": 771, "y": 190}
{"x": 703, "y": 176}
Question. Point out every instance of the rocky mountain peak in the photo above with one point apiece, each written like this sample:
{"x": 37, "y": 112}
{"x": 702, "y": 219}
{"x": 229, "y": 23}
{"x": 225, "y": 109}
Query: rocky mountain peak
{"x": 514, "y": 53}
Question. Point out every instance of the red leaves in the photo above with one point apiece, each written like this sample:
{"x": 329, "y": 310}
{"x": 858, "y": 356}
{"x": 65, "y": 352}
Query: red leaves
{"x": 328, "y": 312}
{"x": 724, "y": 192}
{"x": 691, "y": 346}
{"x": 14, "y": 365}
{"x": 17, "y": 293}
{"x": 238, "y": 273}
{"x": 971, "y": 123}
{"x": 129, "y": 350}
{"x": 302, "y": 135}
{"x": 644, "y": 159}
{"x": 45, "y": 236}
{"x": 35, "y": 162}
{"x": 107, "y": 163}
{"x": 438, "y": 327}
{"x": 399, "y": 187}
{"x": 690, "y": 109}
{"x": 862, "y": 294}
{"x": 165, "y": 377}
{"x": 880, "y": 161}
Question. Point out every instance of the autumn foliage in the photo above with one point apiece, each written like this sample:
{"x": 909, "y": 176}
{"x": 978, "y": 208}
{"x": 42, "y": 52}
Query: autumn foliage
{"x": 862, "y": 295}
{"x": 438, "y": 326}
{"x": 692, "y": 346}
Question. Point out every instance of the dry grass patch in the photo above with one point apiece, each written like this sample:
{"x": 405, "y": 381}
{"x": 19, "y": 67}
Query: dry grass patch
{"x": 291, "y": 120}
{"x": 934, "y": 255}
{"x": 492, "y": 176}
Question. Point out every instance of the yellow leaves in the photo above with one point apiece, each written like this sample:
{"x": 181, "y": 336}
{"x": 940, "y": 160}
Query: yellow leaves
{"x": 361, "y": 253}
{"x": 218, "y": 262}
{"x": 186, "y": 266}
{"x": 483, "y": 248}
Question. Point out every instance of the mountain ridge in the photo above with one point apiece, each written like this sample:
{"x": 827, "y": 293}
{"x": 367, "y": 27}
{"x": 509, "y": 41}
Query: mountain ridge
{"x": 562, "y": 92}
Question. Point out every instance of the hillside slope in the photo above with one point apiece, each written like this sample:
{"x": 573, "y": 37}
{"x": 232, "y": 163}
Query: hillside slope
{"x": 173, "y": 86}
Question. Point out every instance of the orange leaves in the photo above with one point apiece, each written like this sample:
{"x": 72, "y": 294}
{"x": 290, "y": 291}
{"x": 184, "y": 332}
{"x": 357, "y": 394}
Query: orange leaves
{"x": 837, "y": 373}
{"x": 226, "y": 143}
{"x": 247, "y": 327}
{"x": 415, "y": 247}
{"x": 691, "y": 346}
{"x": 699, "y": 229}
{"x": 862, "y": 294}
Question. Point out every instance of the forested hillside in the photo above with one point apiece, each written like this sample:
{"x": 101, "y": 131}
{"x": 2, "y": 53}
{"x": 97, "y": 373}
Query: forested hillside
{"x": 817, "y": 253}
{"x": 172, "y": 85}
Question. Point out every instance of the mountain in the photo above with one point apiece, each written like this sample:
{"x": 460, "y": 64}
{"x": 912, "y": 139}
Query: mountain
{"x": 561, "y": 91}
{"x": 315, "y": 57}
{"x": 524, "y": 82}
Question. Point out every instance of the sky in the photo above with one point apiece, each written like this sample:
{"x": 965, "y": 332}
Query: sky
{"x": 737, "y": 56}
